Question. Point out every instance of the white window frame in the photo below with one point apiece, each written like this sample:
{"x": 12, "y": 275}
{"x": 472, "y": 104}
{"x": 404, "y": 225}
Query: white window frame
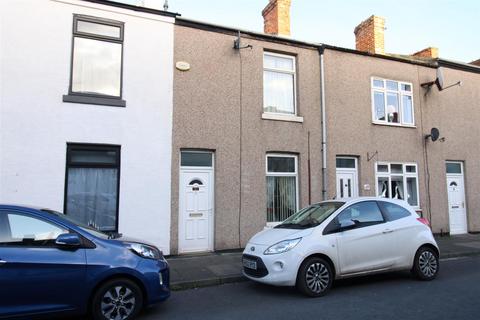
{"x": 404, "y": 174}
{"x": 286, "y": 71}
{"x": 400, "y": 93}
{"x": 283, "y": 174}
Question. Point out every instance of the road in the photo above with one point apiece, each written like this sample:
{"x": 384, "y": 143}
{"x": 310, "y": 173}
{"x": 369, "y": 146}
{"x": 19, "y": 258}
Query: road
{"x": 455, "y": 294}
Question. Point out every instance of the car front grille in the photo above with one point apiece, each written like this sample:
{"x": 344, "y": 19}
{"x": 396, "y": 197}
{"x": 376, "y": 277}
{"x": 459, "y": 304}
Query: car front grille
{"x": 261, "y": 268}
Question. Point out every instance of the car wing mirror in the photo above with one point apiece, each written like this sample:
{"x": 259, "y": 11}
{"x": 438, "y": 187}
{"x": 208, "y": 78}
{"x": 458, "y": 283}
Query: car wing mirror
{"x": 347, "y": 224}
{"x": 68, "y": 240}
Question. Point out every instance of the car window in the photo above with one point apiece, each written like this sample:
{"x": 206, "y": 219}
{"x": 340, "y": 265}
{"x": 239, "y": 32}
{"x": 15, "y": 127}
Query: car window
{"x": 22, "y": 230}
{"x": 363, "y": 214}
{"x": 393, "y": 211}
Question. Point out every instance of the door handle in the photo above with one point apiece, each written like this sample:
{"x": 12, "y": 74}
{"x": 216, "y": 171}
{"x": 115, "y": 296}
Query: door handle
{"x": 2, "y": 262}
{"x": 387, "y": 231}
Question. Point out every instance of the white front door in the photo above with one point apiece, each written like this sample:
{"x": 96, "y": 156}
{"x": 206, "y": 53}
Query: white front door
{"x": 196, "y": 210}
{"x": 347, "y": 178}
{"x": 456, "y": 198}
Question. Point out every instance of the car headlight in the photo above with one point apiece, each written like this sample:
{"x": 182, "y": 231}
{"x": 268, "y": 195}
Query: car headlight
{"x": 145, "y": 251}
{"x": 282, "y": 246}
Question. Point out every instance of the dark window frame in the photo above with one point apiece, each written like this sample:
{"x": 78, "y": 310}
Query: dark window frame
{"x": 93, "y": 147}
{"x": 96, "y": 98}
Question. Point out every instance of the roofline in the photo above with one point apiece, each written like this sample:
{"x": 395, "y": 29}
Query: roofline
{"x": 135, "y": 8}
{"x": 207, "y": 26}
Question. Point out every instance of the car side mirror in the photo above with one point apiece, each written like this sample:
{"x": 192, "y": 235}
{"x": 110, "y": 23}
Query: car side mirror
{"x": 68, "y": 240}
{"x": 347, "y": 225}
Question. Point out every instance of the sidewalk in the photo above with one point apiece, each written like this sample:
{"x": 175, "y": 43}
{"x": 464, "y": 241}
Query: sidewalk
{"x": 191, "y": 271}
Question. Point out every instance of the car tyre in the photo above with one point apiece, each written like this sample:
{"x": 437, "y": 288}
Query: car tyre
{"x": 315, "y": 277}
{"x": 120, "y": 299}
{"x": 426, "y": 264}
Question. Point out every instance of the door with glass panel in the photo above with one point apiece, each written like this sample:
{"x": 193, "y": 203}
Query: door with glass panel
{"x": 347, "y": 178}
{"x": 282, "y": 187}
{"x": 456, "y": 198}
{"x": 196, "y": 202}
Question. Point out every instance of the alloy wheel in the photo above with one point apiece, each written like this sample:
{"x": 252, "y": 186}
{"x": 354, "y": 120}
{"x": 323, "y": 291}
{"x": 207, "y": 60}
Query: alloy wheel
{"x": 118, "y": 303}
{"x": 317, "y": 277}
{"x": 428, "y": 264}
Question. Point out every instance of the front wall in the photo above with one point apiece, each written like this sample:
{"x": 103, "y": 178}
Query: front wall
{"x": 36, "y": 125}
{"x": 454, "y": 111}
{"x": 207, "y": 116}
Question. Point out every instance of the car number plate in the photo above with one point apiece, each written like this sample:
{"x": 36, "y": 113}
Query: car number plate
{"x": 250, "y": 264}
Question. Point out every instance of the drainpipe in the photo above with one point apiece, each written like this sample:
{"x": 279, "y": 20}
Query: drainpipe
{"x": 323, "y": 125}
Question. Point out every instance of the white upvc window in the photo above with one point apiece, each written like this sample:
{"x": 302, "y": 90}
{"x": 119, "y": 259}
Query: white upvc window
{"x": 282, "y": 186}
{"x": 279, "y": 84}
{"x": 398, "y": 181}
{"x": 392, "y": 102}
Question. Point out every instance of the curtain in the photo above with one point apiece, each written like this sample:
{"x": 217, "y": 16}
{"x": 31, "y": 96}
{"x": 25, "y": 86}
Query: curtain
{"x": 278, "y": 92}
{"x": 92, "y": 196}
{"x": 281, "y": 198}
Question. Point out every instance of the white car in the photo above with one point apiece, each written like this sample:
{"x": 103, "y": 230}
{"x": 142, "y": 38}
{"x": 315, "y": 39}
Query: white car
{"x": 339, "y": 239}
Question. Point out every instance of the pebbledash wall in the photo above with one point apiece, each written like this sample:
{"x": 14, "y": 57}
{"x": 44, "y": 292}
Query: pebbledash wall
{"x": 35, "y": 125}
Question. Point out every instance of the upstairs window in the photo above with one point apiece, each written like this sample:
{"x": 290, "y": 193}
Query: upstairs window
{"x": 392, "y": 102}
{"x": 96, "y": 69}
{"x": 279, "y": 83}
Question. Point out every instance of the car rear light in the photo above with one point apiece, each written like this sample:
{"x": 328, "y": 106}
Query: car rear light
{"x": 424, "y": 221}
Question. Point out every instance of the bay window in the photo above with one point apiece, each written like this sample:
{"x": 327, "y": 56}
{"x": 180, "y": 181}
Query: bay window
{"x": 398, "y": 181}
{"x": 392, "y": 102}
{"x": 282, "y": 186}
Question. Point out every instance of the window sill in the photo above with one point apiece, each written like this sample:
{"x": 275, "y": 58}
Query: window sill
{"x": 94, "y": 100}
{"x": 281, "y": 117}
{"x": 394, "y": 124}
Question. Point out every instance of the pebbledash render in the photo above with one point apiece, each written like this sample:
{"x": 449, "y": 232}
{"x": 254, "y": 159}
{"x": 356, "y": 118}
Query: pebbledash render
{"x": 258, "y": 135}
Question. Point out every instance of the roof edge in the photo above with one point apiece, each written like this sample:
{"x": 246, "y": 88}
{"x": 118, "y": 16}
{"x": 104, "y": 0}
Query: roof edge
{"x": 135, "y": 8}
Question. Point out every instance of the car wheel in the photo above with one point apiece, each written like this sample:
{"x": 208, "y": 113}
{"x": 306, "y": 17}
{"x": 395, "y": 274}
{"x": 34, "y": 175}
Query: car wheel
{"x": 426, "y": 264}
{"x": 119, "y": 299}
{"x": 315, "y": 277}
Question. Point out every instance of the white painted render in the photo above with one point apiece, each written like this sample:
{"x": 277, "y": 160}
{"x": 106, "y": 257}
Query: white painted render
{"x": 35, "y": 125}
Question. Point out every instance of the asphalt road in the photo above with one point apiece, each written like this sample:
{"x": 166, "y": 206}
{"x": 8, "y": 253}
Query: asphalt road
{"x": 455, "y": 294}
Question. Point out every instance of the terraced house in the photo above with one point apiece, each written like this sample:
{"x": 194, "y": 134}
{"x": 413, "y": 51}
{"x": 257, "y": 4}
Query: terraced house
{"x": 195, "y": 136}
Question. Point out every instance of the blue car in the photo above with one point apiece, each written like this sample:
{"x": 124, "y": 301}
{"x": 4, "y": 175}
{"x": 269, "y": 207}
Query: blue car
{"x": 50, "y": 265}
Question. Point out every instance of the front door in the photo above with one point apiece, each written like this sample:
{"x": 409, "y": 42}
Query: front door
{"x": 456, "y": 198}
{"x": 347, "y": 181}
{"x": 196, "y": 210}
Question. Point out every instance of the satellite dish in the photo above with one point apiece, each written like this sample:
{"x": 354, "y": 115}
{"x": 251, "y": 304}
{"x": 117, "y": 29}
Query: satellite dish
{"x": 439, "y": 81}
{"x": 434, "y": 134}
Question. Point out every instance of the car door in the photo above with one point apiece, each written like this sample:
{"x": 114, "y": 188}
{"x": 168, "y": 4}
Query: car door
{"x": 35, "y": 275}
{"x": 364, "y": 246}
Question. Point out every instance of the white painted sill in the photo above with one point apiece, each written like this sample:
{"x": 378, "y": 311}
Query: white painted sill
{"x": 394, "y": 124}
{"x": 281, "y": 117}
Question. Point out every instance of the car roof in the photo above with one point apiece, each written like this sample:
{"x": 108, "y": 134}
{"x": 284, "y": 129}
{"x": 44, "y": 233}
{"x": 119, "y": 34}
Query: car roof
{"x": 367, "y": 198}
{"x": 23, "y": 206}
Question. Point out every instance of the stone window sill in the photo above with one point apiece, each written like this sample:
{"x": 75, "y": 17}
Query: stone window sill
{"x": 281, "y": 117}
{"x": 112, "y": 102}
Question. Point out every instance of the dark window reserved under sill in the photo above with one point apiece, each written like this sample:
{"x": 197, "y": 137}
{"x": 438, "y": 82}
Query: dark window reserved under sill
{"x": 94, "y": 100}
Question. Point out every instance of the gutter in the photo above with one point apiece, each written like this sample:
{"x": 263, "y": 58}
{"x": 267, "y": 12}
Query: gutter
{"x": 323, "y": 124}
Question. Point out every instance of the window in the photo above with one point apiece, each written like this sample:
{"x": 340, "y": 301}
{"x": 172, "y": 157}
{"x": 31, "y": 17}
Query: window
{"x": 93, "y": 174}
{"x": 454, "y": 167}
{"x": 282, "y": 187}
{"x": 96, "y": 72}
{"x": 392, "y": 102}
{"x": 392, "y": 211}
{"x": 398, "y": 181}
{"x": 279, "y": 83}
{"x": 18, "y": 229}
{"x": 195, "y": 159}
{"x": 363, "y": 214}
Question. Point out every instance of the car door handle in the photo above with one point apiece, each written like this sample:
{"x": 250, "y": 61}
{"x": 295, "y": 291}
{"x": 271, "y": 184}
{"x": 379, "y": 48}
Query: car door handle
{"x": 387, "y": 231}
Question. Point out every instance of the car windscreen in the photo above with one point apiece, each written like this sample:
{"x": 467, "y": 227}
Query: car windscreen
{"x": 91, "y": 230}
{"x": 311, "y": 216}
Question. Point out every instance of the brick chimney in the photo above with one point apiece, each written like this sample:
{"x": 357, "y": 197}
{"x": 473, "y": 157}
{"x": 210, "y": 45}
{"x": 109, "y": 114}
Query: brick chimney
{"x": 276, "y": 17}
{"x": 476, "y": 62}
{"x": 369, "y": 35}
{"x": 430, "y": 52}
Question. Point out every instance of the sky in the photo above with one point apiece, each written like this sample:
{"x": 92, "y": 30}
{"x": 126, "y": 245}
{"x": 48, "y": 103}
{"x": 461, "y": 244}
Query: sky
{"x": 411, "y": 25}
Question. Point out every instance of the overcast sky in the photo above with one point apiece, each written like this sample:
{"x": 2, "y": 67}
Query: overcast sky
{"x": 452, "y": 26}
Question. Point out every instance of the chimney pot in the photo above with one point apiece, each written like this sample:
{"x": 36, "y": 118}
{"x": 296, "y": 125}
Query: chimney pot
{"x": 276, "y": 17}
{"x": 369, "y": 35}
